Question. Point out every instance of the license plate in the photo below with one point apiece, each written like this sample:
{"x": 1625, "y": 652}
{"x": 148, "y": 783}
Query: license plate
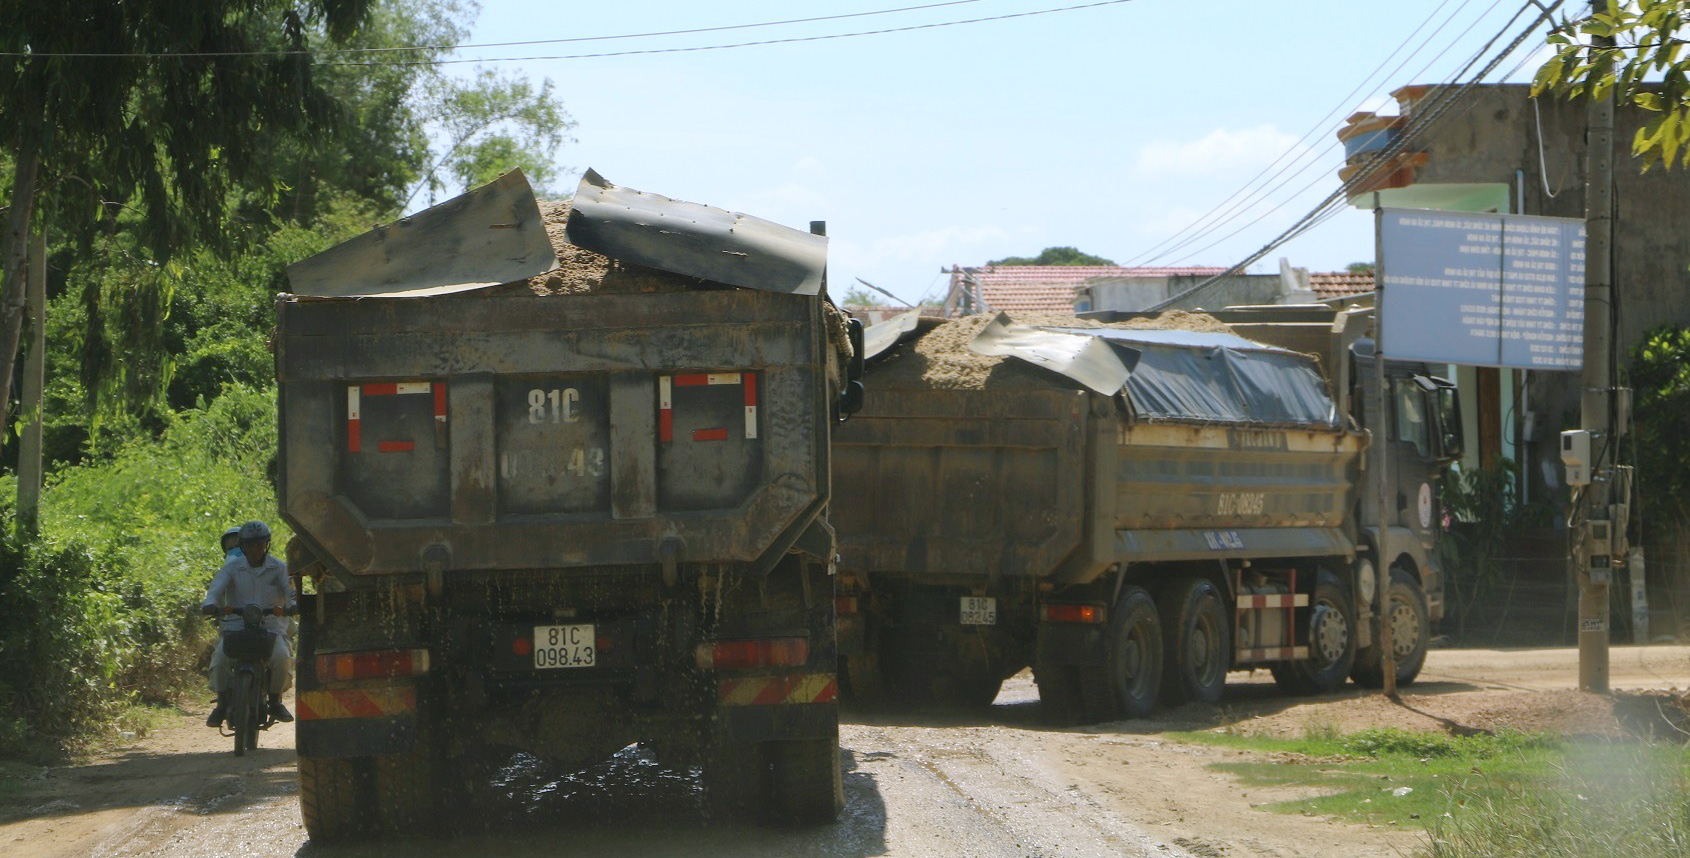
{"x": 565, "y": 646}
{"x": 979, "y": 611}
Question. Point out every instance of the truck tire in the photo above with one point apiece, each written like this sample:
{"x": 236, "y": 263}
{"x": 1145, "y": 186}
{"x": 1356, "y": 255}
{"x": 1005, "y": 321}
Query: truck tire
{"x": 333, "y": 797}
{"x": 1061, "y": 703}
{"x": 1411, "y": 626}
{"x": 1332, "y": 642}
{"x": 807, "y": 786}
{"x": 1197, "y": 637}
{"x": 1133, "y": 656}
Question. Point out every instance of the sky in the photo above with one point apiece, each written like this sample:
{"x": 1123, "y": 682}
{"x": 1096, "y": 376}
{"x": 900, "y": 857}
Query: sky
{"x": 1122, "y": 129}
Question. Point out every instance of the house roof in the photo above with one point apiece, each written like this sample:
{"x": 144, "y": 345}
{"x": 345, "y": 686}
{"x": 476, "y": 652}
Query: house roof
{"x": 1051, "y": 288}
{"x": 1337, "y": 284}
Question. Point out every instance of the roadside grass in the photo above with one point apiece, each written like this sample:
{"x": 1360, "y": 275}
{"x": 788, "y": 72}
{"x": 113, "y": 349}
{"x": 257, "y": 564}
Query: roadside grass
{"x": 1497, "y": 796}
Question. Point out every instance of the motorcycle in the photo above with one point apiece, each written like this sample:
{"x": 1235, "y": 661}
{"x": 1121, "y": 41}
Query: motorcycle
{"x": 248, "y": 650}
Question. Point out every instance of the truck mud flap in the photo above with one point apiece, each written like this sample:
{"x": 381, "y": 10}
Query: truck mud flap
{"x": 356, "y": 737}
{"x": 793, "y": 721}
{"x": 1069, "y": 643}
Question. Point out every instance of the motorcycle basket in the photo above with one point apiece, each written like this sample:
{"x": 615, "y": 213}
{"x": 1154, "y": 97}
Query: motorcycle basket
{"x": 248, "y": 644}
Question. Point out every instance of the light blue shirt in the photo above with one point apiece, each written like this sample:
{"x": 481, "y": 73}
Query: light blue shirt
{"x": 239, "y": 584}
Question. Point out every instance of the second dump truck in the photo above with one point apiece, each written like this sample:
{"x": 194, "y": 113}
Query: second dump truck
{"x": 1133, "y": 508}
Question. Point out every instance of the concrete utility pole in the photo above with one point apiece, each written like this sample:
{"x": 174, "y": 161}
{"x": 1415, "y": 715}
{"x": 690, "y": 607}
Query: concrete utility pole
{"x": 1379, "y": 426}
{"x": 1593, "y": 553}
{"x": 34, "y": 382}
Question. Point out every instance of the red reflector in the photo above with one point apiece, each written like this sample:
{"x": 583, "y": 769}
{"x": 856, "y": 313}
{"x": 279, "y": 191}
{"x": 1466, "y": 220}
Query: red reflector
{"x": 844, "y": 604}
{"x": 742, "y": 655}
{"x": 1073, "y": 614}
{"x": 523, "y": 647}
{"x": 374, "y": 664}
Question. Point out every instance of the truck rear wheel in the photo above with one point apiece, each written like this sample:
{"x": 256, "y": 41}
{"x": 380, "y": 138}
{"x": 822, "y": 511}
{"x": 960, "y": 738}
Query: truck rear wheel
{"x": 1198, "y": 642}
{"x": 807, "y": 785}
{"x": 333, "y": 797}
{"x": 1411, "y": 629}
{"x": 1133, "y": 655}
{"x": 1332, "y": 642}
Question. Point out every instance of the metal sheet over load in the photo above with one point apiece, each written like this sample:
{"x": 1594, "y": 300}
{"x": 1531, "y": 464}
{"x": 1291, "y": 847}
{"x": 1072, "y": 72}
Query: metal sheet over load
{"x": 695, "y": 240}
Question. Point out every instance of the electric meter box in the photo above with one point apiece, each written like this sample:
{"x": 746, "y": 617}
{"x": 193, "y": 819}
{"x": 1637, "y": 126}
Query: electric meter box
{"x": 1575, "y": 455}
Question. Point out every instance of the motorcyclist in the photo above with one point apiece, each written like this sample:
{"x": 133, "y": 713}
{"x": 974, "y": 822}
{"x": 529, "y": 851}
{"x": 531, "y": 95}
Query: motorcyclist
{"x": 252, "y": 577}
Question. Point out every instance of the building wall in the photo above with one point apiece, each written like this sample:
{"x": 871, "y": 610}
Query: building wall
{"x": 1495, "y": 138}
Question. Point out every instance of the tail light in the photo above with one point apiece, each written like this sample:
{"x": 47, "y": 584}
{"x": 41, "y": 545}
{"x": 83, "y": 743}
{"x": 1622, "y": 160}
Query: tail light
{"x": 743, "y": 655}
{"x": 1053, "y": 613}
{"x": 843, "y": 605}
{"x": 371, "y": 664}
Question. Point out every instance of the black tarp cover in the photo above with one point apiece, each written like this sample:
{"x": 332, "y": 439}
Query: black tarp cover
{"x": 1194, "y": 376}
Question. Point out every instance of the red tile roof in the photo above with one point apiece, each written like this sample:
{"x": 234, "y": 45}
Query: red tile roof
{"x": 1336, "y": 284}
{"x": 1051, "y": 288}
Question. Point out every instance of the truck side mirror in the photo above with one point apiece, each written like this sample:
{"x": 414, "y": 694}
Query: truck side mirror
{"x": 1447, "y": 429}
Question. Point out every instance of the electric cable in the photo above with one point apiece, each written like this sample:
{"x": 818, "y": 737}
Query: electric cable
{"x": 1313, "y": 162}
{"x": 398, "y": 49}
{"x": 1150, "y": 255}
{"x": 1417, "y": 126}
{"x": 787, "y": 41}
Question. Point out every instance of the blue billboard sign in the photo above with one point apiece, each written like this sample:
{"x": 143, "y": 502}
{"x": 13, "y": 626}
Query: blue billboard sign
{"x": 1482, "y": 289}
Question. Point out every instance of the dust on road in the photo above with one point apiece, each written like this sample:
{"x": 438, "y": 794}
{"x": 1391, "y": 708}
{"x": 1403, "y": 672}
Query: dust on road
{"x": 995, "y": 784}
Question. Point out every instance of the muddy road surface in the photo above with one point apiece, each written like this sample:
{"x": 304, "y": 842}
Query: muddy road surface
{"x": 995, "y": 783}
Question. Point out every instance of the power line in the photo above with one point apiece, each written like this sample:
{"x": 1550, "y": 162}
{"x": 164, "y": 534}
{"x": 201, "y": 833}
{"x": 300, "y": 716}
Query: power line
{"x": 420, "y": 48}
{"x": 794, "y": 40}
{"x": 1310, "y": 158}
{"x": 1412, "y": 131}
{"x": 1333, "y": 203}
{"x": 205, "y": 54}
{"x": 1150, "y": 254}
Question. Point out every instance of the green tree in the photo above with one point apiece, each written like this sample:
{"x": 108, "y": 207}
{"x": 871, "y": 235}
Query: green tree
{"x": 863, "y": 298}
{"x": 174, "y": 119}
{"x": 491, "y": 124}
{"x": 1055, "y": 256}
{"x": 1359, "y": 268}
{"x": 1648, "y": 67}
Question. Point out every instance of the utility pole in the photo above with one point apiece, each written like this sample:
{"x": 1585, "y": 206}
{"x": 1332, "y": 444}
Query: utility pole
{"x": 1379, "y": 425}
{"x": 34, "y": 381}
{"x": 1593, "y": 542}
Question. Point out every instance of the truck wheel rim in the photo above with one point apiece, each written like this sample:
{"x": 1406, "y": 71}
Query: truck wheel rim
{"x": 1204, "y": 659}
{"x": 1405, "y": 628}
{"x": 1331, "y": 633}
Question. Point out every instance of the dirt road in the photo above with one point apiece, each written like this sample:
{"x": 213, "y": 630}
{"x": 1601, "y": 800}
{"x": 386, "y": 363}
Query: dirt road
{"x": 996, "y": 784}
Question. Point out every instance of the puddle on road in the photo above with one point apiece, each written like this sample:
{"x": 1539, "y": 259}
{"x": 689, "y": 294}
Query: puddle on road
{"x": 630, "y": 804}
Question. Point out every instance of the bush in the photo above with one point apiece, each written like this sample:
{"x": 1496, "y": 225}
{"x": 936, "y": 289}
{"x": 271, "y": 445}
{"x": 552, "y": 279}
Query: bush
{"x": 100, "y": 607}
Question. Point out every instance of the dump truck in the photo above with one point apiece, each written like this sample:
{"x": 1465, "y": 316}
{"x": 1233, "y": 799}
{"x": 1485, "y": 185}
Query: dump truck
{"x": 561, "y": 508}
{"x": 1133, "y": 506}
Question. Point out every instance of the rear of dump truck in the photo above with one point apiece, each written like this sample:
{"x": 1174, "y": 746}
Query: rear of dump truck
{"x": 1131, "y": 543}
{"x": 564, "y": 523}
